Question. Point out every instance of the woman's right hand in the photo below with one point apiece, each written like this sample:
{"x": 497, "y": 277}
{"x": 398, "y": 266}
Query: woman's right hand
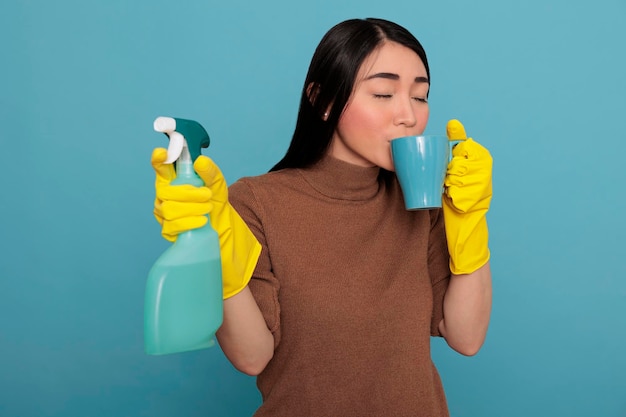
{"x": 177, "y": 208}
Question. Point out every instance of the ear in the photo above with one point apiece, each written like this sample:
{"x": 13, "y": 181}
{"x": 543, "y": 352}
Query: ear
{"x": 312, "y": 90}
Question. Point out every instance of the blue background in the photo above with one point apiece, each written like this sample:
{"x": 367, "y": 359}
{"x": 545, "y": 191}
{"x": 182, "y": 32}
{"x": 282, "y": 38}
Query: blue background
{"x": 540, "y": 83}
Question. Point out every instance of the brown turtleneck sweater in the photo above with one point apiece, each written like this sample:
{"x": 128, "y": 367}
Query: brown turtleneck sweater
{"x": 351, "y": 285}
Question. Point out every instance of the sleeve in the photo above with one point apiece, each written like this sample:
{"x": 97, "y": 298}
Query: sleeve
{"x": 263, "y": 285}
{"x": 438, "y": 268}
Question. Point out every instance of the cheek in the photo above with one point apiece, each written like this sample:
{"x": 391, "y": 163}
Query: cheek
{"x": 422, "y": 119}
{"x": 359, "y": 119}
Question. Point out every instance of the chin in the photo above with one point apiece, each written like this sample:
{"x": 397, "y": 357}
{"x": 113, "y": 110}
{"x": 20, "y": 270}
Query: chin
{"x": 387, "y": 165}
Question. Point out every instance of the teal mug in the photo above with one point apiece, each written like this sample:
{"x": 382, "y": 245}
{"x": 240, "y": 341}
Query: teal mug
{"x": 421, "y": 163}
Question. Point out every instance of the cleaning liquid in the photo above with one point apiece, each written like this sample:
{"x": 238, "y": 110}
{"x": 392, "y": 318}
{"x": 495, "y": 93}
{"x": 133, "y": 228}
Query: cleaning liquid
{"x": 183, "y": 300}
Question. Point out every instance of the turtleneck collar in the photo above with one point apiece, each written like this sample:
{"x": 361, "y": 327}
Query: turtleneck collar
{"x": 341, "y": 180}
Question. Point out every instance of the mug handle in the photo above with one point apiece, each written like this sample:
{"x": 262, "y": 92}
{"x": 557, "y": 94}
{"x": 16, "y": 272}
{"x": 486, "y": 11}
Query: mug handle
{"x": 453, "y": 143}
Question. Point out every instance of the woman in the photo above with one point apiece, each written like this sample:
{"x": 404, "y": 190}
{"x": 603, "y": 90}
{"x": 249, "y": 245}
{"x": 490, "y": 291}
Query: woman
{"x": 348, "y": 286}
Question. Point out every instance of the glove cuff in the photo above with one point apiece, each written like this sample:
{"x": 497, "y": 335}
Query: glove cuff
{"x": 468, "y": 237}
{"x": 240, "y": 250}
{"x": 469, "y": 267}
{"x": 247, "y": 266}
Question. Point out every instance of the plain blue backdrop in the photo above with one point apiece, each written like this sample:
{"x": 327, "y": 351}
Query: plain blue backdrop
{"x": 540, "y": 83}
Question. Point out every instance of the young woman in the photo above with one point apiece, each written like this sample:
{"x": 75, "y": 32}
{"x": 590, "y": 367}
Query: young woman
{"x": 332, "y": 288}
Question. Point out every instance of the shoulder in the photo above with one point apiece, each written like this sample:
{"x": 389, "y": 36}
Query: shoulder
{"x": 269, "y": 181}
{"x": 265, "y": 189}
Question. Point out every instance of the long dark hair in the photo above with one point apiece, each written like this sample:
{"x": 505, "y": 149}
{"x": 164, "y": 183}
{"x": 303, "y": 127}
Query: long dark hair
{"x": 330, "y": 80}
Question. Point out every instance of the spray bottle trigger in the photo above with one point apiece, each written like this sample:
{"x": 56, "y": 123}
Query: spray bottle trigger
{"x": 175, "y": 148}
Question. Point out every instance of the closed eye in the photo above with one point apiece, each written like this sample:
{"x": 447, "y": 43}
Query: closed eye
{"x": 421, "y": 99}
{"x": 381, "y": 96}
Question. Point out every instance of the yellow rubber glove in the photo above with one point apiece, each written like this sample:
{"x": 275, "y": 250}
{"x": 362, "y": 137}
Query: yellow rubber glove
{"x": 466, "y": 200}
{"x": 180, "y": 208}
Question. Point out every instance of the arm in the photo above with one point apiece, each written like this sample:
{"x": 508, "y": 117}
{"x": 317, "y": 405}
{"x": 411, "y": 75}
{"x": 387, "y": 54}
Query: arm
{"x": 467, "y": 302}
{"x": 244, "y": 336}
{"x": 467, "y": 309}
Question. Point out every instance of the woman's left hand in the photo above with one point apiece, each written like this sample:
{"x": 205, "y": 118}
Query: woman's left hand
{"x": 466, "y": 200}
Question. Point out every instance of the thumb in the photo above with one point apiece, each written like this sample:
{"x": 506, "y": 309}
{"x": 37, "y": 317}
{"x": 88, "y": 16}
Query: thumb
{"x": 455, "y": 130}
{"x": 212, "y": 177}
{"x": 164, "y": 172}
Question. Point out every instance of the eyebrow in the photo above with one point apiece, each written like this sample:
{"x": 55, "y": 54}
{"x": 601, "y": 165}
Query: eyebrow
{"x": 391, "y": 76}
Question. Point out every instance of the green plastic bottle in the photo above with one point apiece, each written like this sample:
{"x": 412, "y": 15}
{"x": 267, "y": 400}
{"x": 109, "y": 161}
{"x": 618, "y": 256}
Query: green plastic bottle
{"x": 183, "y": 300}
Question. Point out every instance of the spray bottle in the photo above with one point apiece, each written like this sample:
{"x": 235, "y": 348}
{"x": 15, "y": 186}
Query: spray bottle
{"x": 183, "y": 300}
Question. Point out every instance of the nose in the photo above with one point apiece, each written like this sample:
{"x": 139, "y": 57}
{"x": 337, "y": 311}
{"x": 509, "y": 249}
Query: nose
{"x": 405, "y": 115}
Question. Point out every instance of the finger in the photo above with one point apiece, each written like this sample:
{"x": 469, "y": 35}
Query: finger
{"x": 458, "y": 166}
{"x": 462, "y": 202}
{"x": 178, "y": 226}
{"x": 468, "y": 172}
{"x": 171, "y": 238}
{"x": 456, "y": 205}
{"x": 470, "y": 149}
{"x": 455, "y": 181}
{"x": 455, "y": 130}
{"x": 172, "y": 210}
{"x": 184, "y": 193}
{"x": 460, "y": 151}
{"x": 164, "y": 172}
{"x": 158, "y": 215}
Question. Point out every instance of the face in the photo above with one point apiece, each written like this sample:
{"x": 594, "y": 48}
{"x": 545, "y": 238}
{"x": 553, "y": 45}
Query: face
{"x": 388, "y": 101}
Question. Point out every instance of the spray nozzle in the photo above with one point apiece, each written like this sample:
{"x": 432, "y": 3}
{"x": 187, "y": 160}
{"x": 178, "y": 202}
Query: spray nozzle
{"x": 187, "y": 138}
